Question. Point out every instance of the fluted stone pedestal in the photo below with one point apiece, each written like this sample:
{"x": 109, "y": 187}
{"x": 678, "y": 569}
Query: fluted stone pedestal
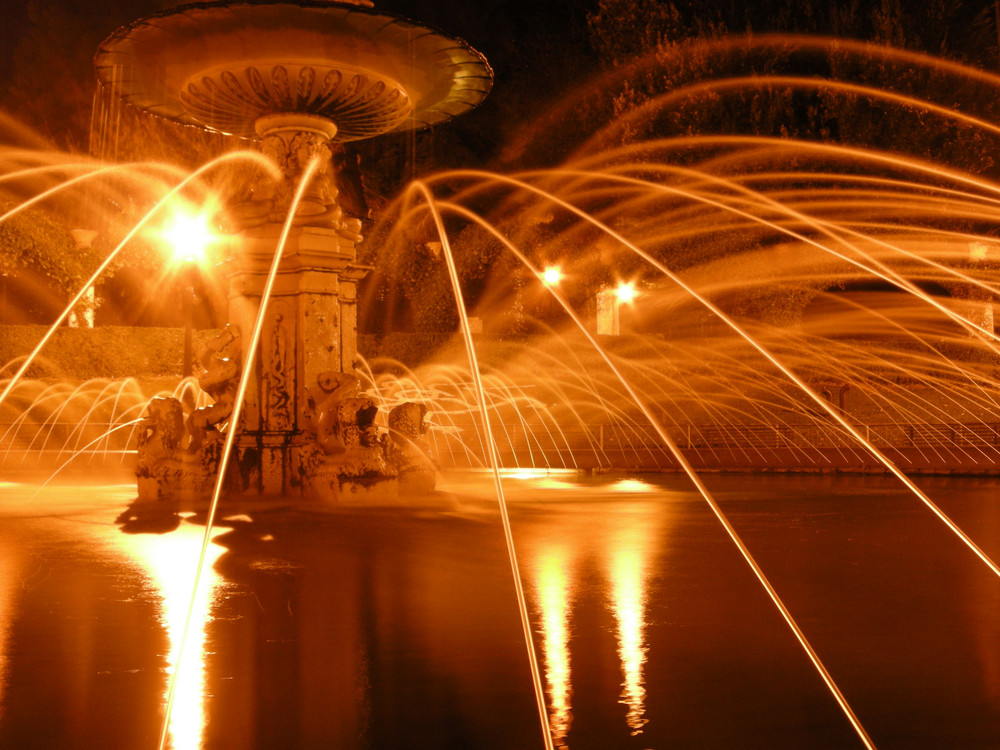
{"x": 309, "y": 330}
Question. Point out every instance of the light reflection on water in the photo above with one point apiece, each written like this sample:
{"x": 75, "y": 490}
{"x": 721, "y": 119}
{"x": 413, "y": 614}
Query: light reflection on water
{"x": 551, "y": 571}
{"x": 627, "y": 563}
{"x": 8, "y": 576}
{"x": 76, "y": 521}
{"x": 170, "y": 561}
{"x": 625, "y": 551}
{"x": 630, "y": 486}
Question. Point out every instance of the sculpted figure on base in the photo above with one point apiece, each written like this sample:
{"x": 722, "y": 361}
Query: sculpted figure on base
{"x": 342, "y": 423}
{"x": 406, "y": 448}
{"x": 220, "y": 377}
{"x": 268, "y": 201}
{"x": 352, "y": 457}
{"x": 178, "y": 460}
{"x": 345, "y": 454}
{"x": 165, "y": 469}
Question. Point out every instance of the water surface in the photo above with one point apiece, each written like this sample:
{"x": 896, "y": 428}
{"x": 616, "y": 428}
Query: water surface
{"x": 399, "y": 628}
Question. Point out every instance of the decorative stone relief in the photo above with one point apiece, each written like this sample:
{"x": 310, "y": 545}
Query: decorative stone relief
{"x": 276, "y": 367}
{"x": 264, "y": 201}
{"x": 362, "y": 102}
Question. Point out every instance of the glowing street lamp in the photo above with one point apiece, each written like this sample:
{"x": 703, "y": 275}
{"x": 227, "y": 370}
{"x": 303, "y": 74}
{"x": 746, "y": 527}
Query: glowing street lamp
{"x": 625, "y": 293}
{"x": 551, "y": 277}
{"x": 188, "y": 236}
{"x": 609, "y": 302}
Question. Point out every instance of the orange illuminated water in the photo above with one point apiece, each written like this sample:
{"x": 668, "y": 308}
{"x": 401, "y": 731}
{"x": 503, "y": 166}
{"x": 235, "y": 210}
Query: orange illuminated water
{"x": 554, "y": 605}
{"x": 628, "y": 570}
{"x": 374, "y": 628}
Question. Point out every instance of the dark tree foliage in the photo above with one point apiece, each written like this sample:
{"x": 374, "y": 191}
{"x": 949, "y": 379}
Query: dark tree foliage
{"x": 41, "y": 265}
{"x": 546, "y": 102}
{"x": 667, "y": 59}
{"x": 662, "y": 39}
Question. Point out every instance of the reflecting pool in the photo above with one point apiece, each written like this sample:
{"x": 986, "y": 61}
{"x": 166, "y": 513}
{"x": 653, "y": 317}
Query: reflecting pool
{"x": 398, "y": 628}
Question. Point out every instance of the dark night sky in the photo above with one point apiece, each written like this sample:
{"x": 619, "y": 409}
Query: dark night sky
{"x": 11, "y": 23}
{"x": 539, "y": 49}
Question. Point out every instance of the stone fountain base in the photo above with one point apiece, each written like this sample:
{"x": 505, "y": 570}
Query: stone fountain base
{"x": 306, "y": 430}
{"x": 345, "y": 457}
{"x": 303, "y": 78}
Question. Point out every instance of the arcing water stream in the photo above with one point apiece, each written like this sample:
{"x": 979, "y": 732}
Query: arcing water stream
{"x": 773, "y": 273}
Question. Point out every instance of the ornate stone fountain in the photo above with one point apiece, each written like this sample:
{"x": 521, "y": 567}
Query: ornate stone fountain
{"x": 299, "y": 78}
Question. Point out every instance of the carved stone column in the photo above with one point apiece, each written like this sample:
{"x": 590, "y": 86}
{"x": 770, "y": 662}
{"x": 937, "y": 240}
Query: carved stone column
{"x": 310, "y": 323}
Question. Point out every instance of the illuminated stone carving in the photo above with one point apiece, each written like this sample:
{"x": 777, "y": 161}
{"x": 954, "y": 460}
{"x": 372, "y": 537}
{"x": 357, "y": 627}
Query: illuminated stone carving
{"x": 301, "y": 79}
{"x": 219, "y": 379}
{"x": 407, "y": 450}
{"x": 361, "y": 102}
{"x": 179, "y": 459}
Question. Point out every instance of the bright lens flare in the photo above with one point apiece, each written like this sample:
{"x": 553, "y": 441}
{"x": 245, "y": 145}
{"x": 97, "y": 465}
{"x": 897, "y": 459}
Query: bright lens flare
{"x": 552, "y": 275}
{"x": 625, "y": 292}
{"x": 188, "y": 235}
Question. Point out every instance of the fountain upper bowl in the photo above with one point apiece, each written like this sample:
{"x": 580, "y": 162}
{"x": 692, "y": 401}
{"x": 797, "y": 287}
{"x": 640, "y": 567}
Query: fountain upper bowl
{"x": 224, "y": 66}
